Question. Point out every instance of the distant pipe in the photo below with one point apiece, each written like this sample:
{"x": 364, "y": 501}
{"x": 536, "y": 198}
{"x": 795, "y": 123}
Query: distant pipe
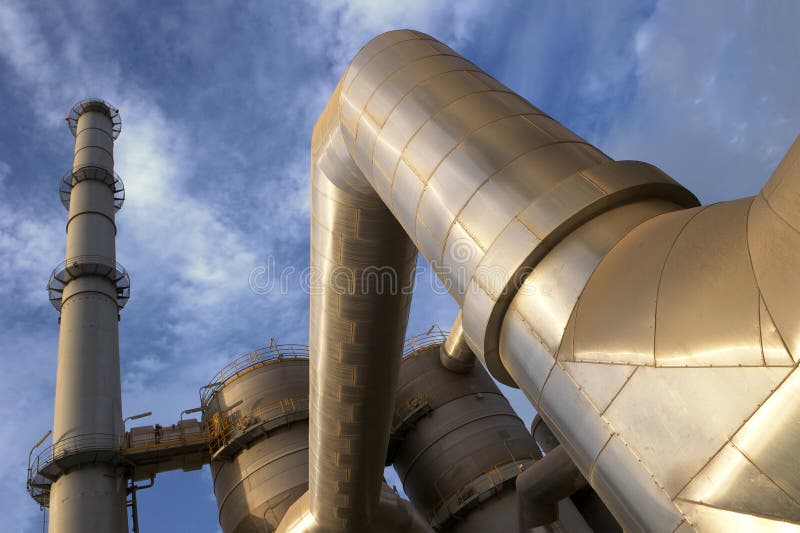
{"x": 542, "y": 486}
{"x": 190, "y": 411}
{"x": 455, "y": 354}
{"x": 136, "y": 417}
{"x": 134, "y": 502}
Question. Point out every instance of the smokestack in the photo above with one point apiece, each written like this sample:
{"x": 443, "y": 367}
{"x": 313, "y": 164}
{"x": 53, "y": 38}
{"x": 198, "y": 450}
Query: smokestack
{"x": 88, "y": 289}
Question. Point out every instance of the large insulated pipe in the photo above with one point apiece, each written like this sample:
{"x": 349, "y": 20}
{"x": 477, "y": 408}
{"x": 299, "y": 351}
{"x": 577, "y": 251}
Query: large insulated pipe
{"x": 679, "y": 335}
{"x": 357, "y": 326}
{"x": 416, "y": 141}
{"x": 517, "y": 213}
{"x": 89, "y": 290}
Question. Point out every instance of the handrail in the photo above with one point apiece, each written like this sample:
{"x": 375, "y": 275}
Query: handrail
{"x": 38, "y": 482}
{"x": 261, "y": 356}
{"x": 433, "y": 337}
{"x": 94, "y": 104}
{"x": 70, "y": 445}
{"x": 221, "y": 428}
{"x": 85, "y": 265}
{"x": 38, "y": 485}
{"x": 92, "y": 173}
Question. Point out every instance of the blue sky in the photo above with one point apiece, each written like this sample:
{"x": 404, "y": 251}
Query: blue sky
{"x": 218, "y": 100}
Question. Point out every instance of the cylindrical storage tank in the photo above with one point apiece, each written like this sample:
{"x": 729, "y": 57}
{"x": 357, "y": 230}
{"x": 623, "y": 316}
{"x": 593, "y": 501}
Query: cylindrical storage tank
{"x": 457, "y": 444}
{"x": 257, "y": 415}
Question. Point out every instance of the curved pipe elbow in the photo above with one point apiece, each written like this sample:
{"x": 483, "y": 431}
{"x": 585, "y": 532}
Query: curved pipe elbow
{"x": 455, "y": 354}
{"x": 543, "y": 485}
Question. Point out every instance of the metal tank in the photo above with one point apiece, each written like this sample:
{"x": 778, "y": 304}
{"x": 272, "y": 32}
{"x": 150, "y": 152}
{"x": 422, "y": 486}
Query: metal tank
{"x": 597, "y": 286}
{"x": 256, "y": 415}
{"x": 457, "y": 444}
{"x": 88, "y": 289}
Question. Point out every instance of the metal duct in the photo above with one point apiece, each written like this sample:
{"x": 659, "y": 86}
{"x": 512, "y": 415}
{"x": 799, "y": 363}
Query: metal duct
{"x": 533, "y": 230}
{"x": 416, "y": 134}
{"x": 666, "y": 363}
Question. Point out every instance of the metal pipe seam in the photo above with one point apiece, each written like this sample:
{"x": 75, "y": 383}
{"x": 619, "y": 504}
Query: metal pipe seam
{"x": 94, "y": 147}
{"x": 482, "y": 322}
{"x": 99, "y": 213}
{"x": 363, "y": 130}
{"x": 542, "y": 485}
{"x": 455, "y": 354}
{"x": 88, "y": 285}
{"x": 715, "y": 286}
{"x": 245, "y": 480}
{"x": 265, "y": 463}
{"x": 445, "y": 433}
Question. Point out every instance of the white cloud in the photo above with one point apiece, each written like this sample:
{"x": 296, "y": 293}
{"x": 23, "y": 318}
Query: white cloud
{"x": 716, "y": 102}
{"x": 353, "y": 24}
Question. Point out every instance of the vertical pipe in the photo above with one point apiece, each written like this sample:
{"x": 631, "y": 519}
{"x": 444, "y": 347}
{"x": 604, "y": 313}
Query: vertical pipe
{"x": 134, "y": 509}
{"x": 455, "y": 354}
{"x": 91, "y": 496}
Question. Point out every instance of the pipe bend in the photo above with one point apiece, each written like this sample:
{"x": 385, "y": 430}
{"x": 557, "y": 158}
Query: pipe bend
{"x": 393, "y": 171}
{"x": 543, "y": 485}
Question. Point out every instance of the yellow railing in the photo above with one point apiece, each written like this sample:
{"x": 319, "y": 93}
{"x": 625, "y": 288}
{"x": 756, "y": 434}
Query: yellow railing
{"x": 167, "y": 441}
{"x": 222, "y": 429}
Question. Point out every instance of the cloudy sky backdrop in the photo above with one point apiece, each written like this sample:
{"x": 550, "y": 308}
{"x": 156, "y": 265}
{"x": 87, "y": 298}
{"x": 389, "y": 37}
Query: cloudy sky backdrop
{"x": 218, "y": 100}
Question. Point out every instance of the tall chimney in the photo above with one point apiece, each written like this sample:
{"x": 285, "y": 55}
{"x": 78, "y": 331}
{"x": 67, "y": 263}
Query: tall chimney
{"x": 88, "y": 289}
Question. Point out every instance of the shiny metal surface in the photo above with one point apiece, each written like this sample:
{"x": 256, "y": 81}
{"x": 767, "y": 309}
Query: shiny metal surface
{"x": 357, "y": 327}
{"x": 255, "y": 484}
{"x": 528, "y": 224}
{"x": 678, "y": 291}
{"x": 92, "y": 495}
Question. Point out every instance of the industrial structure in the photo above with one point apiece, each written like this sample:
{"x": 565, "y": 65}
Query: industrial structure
{"x": 658, "y": 339}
